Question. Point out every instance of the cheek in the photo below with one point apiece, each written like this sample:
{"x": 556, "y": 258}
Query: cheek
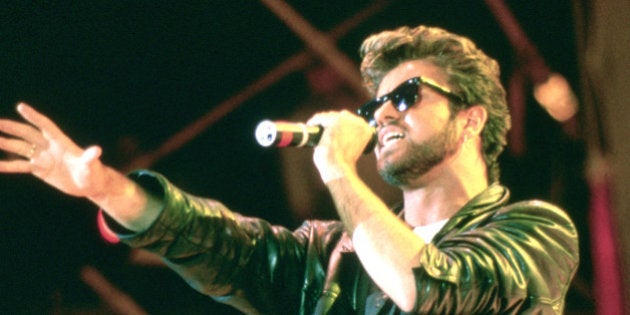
{"x": 425, "y": 122}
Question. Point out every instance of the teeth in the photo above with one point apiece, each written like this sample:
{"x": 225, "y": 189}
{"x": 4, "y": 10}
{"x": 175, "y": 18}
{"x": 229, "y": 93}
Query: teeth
{"x": 393, "y": 137}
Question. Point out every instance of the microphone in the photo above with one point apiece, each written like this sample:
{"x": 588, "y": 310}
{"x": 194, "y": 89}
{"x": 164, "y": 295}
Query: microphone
{"x": 283, "y": 134}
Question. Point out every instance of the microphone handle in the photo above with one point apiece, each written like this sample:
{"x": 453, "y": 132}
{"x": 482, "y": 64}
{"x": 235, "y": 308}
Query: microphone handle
{"x": 291, "y": 134}
{"x": 287, "y": 134}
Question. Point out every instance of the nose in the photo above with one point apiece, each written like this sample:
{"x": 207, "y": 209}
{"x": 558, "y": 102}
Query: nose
{"x": 385, "y": 113}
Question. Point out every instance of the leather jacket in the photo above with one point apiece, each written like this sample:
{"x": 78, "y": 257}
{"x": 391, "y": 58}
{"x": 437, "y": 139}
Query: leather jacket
{"x": 491, "y": 257}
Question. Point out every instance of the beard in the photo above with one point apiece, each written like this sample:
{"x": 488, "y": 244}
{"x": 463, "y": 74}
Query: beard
{"x": 421, "y": 157}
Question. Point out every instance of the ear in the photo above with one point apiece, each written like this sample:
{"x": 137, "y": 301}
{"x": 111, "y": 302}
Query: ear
{"x": 476, "y": 117}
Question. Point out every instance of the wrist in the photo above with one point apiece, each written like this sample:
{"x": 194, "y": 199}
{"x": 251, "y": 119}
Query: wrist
{"x": 102, "y": 185}
{"x": 127, "y": 202}
{"x": 333, "y": 171}
{"x": 332, "y": 164}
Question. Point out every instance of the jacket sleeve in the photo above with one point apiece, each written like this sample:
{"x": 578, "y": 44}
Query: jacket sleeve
{"x": 521, "y": 257}
{"x": 241, "y": 261}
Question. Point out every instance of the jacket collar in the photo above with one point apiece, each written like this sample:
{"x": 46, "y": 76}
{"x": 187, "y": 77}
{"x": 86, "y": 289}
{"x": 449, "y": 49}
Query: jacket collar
{"x": 495, "y": 194}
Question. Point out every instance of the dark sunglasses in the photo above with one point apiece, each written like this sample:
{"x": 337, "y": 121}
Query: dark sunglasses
{"x": 404, "y": 96}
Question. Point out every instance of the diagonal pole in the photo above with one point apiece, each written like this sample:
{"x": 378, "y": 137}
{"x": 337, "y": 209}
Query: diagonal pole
{"x": 319, "y": 43}
{"x": 292, "y": 64}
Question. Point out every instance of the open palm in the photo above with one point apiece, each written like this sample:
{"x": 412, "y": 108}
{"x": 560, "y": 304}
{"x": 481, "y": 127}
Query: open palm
{"x": 41, "y": 148}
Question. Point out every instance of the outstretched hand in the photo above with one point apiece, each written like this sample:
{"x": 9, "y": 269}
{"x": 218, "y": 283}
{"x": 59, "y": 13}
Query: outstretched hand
{"x": 42, "y": 149}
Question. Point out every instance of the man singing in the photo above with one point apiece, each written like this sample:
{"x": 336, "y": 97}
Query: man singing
{"x": 455, "y": 245}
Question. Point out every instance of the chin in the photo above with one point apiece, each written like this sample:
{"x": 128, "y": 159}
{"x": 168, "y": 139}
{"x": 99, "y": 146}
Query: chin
{"x": 385, "y": 159}
{"x": 392, "y": 173}
{"x": 389, "y": 153}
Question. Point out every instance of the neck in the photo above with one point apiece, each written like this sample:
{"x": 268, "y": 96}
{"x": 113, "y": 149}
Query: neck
{"x": 439, "y": 194}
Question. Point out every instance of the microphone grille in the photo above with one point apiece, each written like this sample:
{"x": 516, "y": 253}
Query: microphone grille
{"x": 266, "y": 133}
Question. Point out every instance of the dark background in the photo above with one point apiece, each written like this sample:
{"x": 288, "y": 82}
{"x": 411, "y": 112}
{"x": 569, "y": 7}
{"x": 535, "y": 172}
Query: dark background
{"x": 129, "y": 74}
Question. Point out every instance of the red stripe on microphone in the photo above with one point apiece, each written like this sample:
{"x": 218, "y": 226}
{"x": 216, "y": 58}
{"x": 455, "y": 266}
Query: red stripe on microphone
{"x": 285, "y": 139}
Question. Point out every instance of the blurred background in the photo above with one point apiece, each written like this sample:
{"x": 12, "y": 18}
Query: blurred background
{"x": 179, "y": 87}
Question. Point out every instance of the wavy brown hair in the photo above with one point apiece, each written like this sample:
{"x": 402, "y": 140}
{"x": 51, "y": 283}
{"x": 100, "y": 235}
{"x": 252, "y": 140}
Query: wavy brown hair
{"x": 471, "y": 74}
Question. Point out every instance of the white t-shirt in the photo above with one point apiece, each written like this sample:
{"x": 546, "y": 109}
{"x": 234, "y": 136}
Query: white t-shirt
{"x": 427, "y": 232}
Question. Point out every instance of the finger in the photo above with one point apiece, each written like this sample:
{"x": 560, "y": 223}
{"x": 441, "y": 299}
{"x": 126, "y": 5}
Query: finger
{"x": 18, "y": 147}
{"x": 91, "y": 154}
{"x": 39, "y": 120}
{"x": 84, "y": 174}
{"x": 321, "y": 119}
{"x": 23, "y": 131}
{"x": 16, "y": 166}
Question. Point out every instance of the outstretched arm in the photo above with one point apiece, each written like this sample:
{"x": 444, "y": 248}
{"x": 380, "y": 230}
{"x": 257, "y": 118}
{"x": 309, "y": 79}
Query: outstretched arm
{"x": 43, "y": 150}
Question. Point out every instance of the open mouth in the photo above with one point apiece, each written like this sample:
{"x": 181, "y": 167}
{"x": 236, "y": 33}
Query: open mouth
{"x": 391, "y": 138}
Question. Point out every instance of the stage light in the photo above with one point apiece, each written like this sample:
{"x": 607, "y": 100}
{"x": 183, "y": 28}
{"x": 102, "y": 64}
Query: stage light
{"x": 557, "y": 97}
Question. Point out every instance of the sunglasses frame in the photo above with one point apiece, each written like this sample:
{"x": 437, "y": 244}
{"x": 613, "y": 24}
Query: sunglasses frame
{"x": 400, "y": 101}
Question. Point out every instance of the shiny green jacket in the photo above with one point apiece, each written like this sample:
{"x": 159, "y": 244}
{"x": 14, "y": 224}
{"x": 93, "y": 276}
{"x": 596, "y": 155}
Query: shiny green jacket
{"x": 490, "y": 258}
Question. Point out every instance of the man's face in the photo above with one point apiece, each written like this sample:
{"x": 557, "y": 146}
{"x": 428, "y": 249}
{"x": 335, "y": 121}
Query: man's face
{"x": 414, "y": 142}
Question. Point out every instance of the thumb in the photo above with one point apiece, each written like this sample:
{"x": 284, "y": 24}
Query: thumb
{"x": 91, "y": 154}
{"x": 87, "y": 174}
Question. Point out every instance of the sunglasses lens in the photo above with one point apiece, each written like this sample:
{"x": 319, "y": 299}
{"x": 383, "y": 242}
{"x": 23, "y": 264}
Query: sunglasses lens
{"x": 367, "y": 111}
{"x": 405, "y": 96}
